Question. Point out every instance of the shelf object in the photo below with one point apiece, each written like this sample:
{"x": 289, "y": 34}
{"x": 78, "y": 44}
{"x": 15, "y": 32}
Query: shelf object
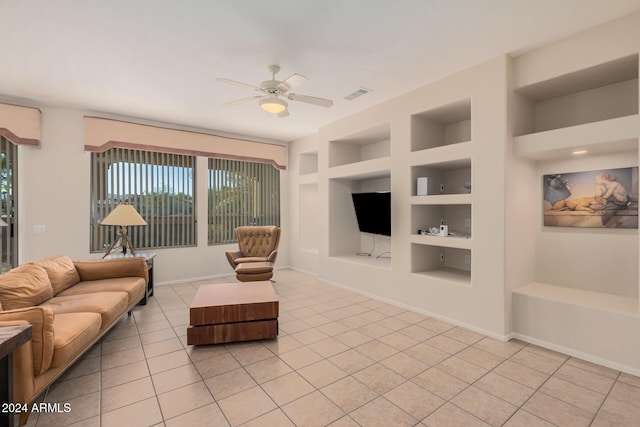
{"x": 456, "y": 216}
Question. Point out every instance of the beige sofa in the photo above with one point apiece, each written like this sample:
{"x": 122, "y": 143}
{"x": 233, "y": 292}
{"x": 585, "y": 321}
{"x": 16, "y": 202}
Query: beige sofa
{"x": 70, "y": 305}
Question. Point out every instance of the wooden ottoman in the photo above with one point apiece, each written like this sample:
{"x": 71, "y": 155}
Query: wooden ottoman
{"x": 230, "y": 312}
{"x": 254, "y": 271}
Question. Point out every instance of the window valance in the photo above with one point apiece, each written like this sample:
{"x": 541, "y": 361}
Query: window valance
{"x": 103, "y": 134}
{"x": 20, "y": 125}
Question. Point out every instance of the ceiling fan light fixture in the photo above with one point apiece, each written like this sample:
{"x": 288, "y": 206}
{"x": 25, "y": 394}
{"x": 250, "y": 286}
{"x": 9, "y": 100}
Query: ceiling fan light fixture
{"x": 273, "y": 105}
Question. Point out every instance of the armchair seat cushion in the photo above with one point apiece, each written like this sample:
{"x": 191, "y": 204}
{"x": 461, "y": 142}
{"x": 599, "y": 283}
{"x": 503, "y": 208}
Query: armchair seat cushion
{"x": 254, "y": 268}
{"x": 74, "y": 332}
{"x": 254, "y": 271}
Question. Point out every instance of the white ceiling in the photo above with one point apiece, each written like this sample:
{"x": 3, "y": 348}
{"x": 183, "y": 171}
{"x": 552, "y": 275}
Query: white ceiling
{"x": 158, "y": 59}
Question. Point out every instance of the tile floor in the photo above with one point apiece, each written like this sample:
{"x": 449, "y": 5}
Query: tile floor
{"x": 341, "y": 359}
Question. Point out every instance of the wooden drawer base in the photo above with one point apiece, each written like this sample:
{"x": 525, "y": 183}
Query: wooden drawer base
{"x": 232, "y": 332}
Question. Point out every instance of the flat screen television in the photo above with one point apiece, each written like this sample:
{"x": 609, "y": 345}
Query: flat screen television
{"x": 373, "y": 212}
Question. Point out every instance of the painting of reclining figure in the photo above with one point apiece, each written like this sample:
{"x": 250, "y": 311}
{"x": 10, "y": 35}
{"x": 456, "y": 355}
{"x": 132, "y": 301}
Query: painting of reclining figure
{"x": 606, "y": 198}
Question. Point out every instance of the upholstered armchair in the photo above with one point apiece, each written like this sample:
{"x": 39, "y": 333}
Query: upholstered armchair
{"x": 255, "y": 244}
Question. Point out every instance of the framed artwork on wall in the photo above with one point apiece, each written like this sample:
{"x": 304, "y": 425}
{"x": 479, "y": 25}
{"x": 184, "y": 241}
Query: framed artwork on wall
{"x": 603, "y": 198}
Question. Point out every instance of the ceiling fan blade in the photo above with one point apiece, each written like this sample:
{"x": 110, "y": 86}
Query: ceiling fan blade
{"x": 310, "y": 100}
{"x": 240, "y": 84}
{"x": 242, "y": 101}
{"x": 284, "y": 113}
{"x": 294, "y": 80}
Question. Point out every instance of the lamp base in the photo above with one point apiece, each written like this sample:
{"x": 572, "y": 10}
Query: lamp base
{"x": 124, "y": 243}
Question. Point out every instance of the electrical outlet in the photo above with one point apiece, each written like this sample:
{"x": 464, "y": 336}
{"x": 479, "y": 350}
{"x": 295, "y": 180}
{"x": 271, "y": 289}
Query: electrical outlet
{"x": 467, "y": 259}
{"x": 441, "y": 257}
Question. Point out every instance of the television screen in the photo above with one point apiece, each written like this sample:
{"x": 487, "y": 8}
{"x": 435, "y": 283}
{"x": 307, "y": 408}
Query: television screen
{"x": 373, "y": 212}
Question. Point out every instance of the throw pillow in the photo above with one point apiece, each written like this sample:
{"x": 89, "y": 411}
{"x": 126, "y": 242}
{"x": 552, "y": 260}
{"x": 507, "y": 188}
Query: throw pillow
{"x": 24, "y": 286}
{"x": 61, "y": 270}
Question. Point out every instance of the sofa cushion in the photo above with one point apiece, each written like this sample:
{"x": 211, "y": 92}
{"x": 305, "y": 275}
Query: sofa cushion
{"x": 110, "y": 305}
{"x": 62, "y": 273}
{"x": 24, "y": 286}
{"x": 133, "y": 286}
{"x": 96, "y": 269}
{"x": 74, "y": 332}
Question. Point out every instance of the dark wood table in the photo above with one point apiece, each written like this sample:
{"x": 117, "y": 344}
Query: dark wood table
{"x": 230, "y": 312}
{"x": 11, "y": 337}
{"x": 149, "y": 256}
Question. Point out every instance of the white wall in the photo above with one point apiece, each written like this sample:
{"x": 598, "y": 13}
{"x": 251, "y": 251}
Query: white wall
{"x": 54, "y": 191}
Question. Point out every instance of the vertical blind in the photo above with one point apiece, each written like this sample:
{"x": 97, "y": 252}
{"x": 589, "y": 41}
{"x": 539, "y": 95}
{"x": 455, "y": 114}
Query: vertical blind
{"x": 241, "y": 193}
{"x": 8, "y": 210}
{"x": 159, "y": 185}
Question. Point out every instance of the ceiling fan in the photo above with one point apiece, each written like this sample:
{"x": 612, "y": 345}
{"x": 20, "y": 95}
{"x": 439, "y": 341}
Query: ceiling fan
{"x": 273, "y": 92}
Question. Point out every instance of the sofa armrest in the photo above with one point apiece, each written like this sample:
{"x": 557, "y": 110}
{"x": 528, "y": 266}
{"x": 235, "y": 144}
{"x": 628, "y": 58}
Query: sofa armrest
{"x": 41, "y": 320}
{"x": 23, "y": 377}
{"x": 98, "y": 269}
{"x": 272, "y": 256}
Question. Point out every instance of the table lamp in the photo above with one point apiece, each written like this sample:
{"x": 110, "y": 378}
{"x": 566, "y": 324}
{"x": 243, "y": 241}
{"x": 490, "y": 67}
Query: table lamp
{"x": 123, "y": 215}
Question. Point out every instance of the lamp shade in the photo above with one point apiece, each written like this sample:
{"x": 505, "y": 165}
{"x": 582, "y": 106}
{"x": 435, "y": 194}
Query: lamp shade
{"x": 123, "y": 215}
{"x": 273, "y": 104}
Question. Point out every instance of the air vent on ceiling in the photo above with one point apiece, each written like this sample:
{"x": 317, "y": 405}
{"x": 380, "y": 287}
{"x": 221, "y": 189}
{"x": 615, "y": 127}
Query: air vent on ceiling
{"x": 357, "y": 94}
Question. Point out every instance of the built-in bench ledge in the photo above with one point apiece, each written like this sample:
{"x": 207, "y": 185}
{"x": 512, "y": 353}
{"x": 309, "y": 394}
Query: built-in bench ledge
{"x": 580, "y": 297}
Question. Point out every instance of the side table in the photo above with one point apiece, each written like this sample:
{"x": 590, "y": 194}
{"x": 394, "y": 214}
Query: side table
{"x": 148, "y": 256}
{"x": 11, "y": 337}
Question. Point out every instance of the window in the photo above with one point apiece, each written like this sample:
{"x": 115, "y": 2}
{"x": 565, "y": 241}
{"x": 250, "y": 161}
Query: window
{"x": 241, "y": 193}
{"x": 8, "y": 205}
{"x": 159, "y": 185}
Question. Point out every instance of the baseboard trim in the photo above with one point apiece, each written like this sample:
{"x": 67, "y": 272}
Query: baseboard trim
{"x": 578, "y": 354}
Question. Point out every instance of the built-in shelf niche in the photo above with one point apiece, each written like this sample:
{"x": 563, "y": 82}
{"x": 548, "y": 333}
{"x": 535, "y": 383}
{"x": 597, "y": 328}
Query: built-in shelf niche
{"x": 369, "y": 144}
{"x": 443, "y": 263}
{"x": 602, "y": 92}
{"x": 452, "y": 177}
{"x": 308, "y": 163}
{"x": 456, "y": 217}
{"x": 309, "y": 209}
{"x": 345, "y": 239}
{"x": 445, "y": 125}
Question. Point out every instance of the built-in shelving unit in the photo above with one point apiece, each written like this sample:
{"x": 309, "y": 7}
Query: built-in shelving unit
{"x": 594, "y": 109}
{"x": 441, "y": 150}
{"x": 358, "y": 162}
{"x": 485, "y": 137}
